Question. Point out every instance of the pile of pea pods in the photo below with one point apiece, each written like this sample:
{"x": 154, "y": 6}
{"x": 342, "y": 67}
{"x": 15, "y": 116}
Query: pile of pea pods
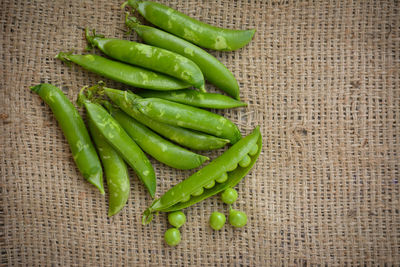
{"x": 167, "y": 121}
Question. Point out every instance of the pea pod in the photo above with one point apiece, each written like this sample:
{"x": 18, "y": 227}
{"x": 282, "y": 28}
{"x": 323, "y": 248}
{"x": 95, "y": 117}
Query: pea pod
{"x": 196, "y": 98}
{"x": 120, "y": 141}
{"x": 188, "y": 117}
{"x": 185, "y": 137}
{"x": 74, "y": 129}
{"x": 213, "y": 70}
{"x": 184, "y": 194}
{"x": 149, "y": 57}
{"x": 124, "y": 73}
{"x": 194, "y": 31}
{"x": 159, "y": 148}
{"x": 115, "y": 170}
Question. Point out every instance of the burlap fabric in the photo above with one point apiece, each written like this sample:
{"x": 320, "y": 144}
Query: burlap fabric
{"x": 321, "y": 78}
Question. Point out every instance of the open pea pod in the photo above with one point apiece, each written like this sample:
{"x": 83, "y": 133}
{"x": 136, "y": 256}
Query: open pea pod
{"x": 199, "y": 186}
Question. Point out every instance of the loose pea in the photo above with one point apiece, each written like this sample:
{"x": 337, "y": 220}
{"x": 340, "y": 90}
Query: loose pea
{"x": 210, "y": 184}
{"x": 172, "y": 237}
{"x": 217, "y": 220}
{"x": 246, "y": 160}
{"x": 237, "y": 218}
{"x": 177, "y": 218}
{"x": 229, "y": 196}
{"x": 198, "y": 192}
{"x": 253, "y": 150}
{"x": 232, "y": 167}
{"x": 222, "y": 178}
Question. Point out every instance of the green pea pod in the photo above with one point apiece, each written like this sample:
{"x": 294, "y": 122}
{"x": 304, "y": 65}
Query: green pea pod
{"x": 115, "y": 170}
{"x": 74, "y": 129}
{"x": 194, "y": 31}
{"x": 124, "y": 73}
{"x": 196, "y": 98}
{"x": 159, "y": 148}
{"x": 184, "y": 194}
{"x": 120, "y": 141}
{"x": 188, "y": 117}
{"x": 185, "y": 137}
{"x": 150, "y": 57}
{"x": 213, "y": 70}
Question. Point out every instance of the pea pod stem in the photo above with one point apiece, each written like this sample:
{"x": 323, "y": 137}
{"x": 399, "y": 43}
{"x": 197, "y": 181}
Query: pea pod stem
{"x": 74, "y": 129}
{"x": 124, "y": 73}
{"x": 115, "y": 170}
{"x": 185, "y": 137}
{"x": 172, "y": 200}
{"x": 195, "y": 98}
{"x": 120, "y": 141}
{"x": 192, "y": 30}
{"x": 159, "y": 148}
{"x": 213, "y": 70}
{"x": 149, "y": 57}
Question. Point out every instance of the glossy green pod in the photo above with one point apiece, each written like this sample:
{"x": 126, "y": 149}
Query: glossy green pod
{"x": 184, "y": 194}
{"x": 185, "y": 137}
{"x": 194, "y": 31}
{"x": 74, "y": 129}
{"x": 156, "y": 146}
{"x": 195, "y": 98}
{"x": 213, "y": 70}
{"x": 188, "y": 117}
{"x": 115, "y": 170}
{"x": 121, "y": 141}
{"x": 150, "y": 57}
{"x": 124, "y": 73}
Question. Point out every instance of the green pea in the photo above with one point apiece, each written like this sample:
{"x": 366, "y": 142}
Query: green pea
{"x": 253, "y": 150}
{"x": 217, "y": 220}
{"x": 229, "y": 196}
{"x": 177, "y": 218}
{"x": 246, "y": 160}
{"x": 232, "y": 167}
{"x": 172, "y": 237}
{"x": 186, "y": 199}
{"x": 237, "y": 218}
{"x": 222, "y": 178}
{"x": 198, "y": 192}
{"x": 210, "y": 184}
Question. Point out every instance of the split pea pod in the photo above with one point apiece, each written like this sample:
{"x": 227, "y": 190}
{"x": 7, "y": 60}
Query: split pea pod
{"x": 194, "y": 31}
{"x": 120, "y": 141}
{"x": 115, "y": 171}
{"x": 156, "y": 146}
{"x": 188, "y": 117}
{"x": 149, "y": 57}
{"x": 204, "y": 183}
{"x": 185, "y": 137}
{"x": 213, "y": 70}
{"x": 196, "y": 98}
{"x": 124, "y": 73}
{"x": 74, "y": 129}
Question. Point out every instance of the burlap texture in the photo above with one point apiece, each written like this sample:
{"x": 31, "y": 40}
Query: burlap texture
{"x": 321, "y": 78}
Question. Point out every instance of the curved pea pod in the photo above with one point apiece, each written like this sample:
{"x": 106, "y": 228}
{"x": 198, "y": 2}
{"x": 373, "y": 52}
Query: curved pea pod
{"x": 194, "y": 31}
{"x": 120, "y": 141}
{"x": 154, "y": 145}
{"x": 74, "y": 129}
{"x": 188, "y": 117}
{"x": 124, "y": 73}
{"x": 185, "y": 137}
{"x": 150, "y": 57}
{"x": 115, "y": 170}
{"x": 196, "y": 98}
{"x": 213, "y": 70}
{"x": 185, "y": 194}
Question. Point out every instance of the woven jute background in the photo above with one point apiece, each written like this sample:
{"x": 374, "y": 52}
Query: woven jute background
{"x": 321, "y": 78}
